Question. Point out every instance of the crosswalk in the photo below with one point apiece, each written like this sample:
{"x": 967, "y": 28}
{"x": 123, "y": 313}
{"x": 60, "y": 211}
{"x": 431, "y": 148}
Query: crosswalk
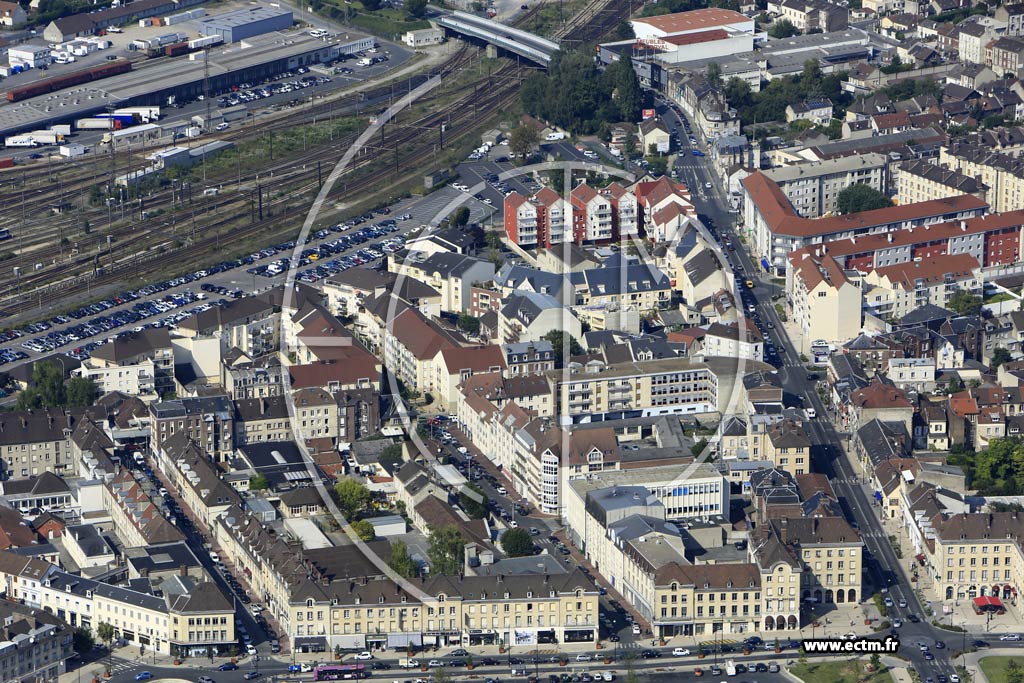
{"x": 120, "y": 665}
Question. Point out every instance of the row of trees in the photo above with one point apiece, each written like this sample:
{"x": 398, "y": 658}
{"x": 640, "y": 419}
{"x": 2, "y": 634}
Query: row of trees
{"x": 573, "y": 94}
{"x": 49, "y": 389}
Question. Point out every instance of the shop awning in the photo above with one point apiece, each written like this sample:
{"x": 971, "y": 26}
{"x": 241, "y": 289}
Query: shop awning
{"x": 319, "y": 643}
{"x": 988, "y": 601}
{"x": 399, "y": 640}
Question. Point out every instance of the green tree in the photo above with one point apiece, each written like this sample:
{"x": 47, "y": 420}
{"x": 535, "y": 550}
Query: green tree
{"x": 415, "y": 8}
{"x": 810, "y": 78}
{"x": 699, "y": 447}
{"x": 445, "y": 548}
{"x": 440, "y": 675}
{"x": 624, "y": 87}
{"x": 106, "y": 633}
{"x": 80, "y": 392}
{"x": 351, "y": 496}
{"x": 955, "y": 385}
{"x": 517, "y": 542}
{"x": 258, "y": 483}
{"x": 522, "y": 140}
{"x": 965, "y": 302}
{"x": 400, "y": 560}
{"x": 469, "y": 324}
{"x": 48, "y": 380}
{"x": 714, "y": 73}
{"x": 624, "y": 31}
{"x": 783, "y": 29}
{"x": 737, "y": 92}
{"x": 459, "y": 217}
{"x": 860, "y": 197}
{"x": 558, "y": 341}
{"x": 82, "y": 641}
{"x": 999, "y": 356}
{"x": 875, "y": 661}
{"x": 474, "y": 507}
{"x": 364, "y": 530}
{"x": 390, "y": 457}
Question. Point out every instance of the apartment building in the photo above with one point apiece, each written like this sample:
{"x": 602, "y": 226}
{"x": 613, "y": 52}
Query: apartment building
{"x": 36, "y": 646}
{"x": 1000, "y": 171}
{"x": 974, "y": 554}
{"x": 528, "y": 316}
{"x": 529, "y": 358}
{"x": 451, "y": 275}
{"x": 824, "y": 302}
{"x": 831, "y": 554}
{"x": 195, "y": 477}
{"x": 891, "y": 292}
{"x": 208, "y": 420}
{"x": 250, "y": 324}
{"x": 411, "y": 346}
{"x": 36, "y": 441}
{"x": 592, "y": 219}
{"x": 136, "y": 518}
{"x": 919, "y": 180}
{"x": 737, "y": 340}
{"x": 657, "y": 387}
{"x": 813, "y": 188}
{"x": 788, "y": 447}
{"x": 192, "y": 618}
{"x": 454, "y": 366}
{"x": 137, "y": 363}
{"x": 777, "y": 230}
{"x": 337, "y": 597}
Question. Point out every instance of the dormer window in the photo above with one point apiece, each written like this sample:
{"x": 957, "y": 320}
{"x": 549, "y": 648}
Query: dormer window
{"x": 440, "y": 597}
{"x": 309, "y": 602}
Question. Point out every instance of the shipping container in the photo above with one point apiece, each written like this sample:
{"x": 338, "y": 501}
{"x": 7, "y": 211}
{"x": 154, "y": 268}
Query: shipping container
{"x": 205, "y": 41}
{"x": 48, "y": 85}
{"x": 45, "y": 137}
{"x": 7, "y": 162}
{"x": 61, "y": 129}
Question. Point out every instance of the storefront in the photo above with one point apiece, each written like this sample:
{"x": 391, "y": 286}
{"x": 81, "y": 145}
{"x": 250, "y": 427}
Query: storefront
{"x": 376, "y": 641}
{"x": 579, "y": 635}
{"x": 310, "y": 644}
{"x": 546, "y": 637}
{"x": 442, "y": 638}
{"x": 480, "y": 637}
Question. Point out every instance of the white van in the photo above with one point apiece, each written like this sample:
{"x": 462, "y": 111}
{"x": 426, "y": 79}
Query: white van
{"x": 555, "y": 136}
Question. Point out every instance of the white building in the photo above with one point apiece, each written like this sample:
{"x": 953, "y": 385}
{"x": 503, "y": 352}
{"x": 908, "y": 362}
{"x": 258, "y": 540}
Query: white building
{"x": 424, "y": 37}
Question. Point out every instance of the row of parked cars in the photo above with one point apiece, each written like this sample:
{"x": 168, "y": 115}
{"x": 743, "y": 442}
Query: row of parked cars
{"x": 247, "y": 92}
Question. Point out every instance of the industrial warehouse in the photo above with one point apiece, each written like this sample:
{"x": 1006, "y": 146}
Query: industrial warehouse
{"x": 181, "y": 79}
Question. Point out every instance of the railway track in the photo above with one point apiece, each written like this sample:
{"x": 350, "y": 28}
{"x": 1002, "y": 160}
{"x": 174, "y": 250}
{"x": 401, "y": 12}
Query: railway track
{"x": 288, "y": 192}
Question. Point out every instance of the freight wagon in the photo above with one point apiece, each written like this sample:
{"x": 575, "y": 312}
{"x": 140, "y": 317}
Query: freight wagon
{"x": 49, "y": 85}
{"x": 177, "y": 49}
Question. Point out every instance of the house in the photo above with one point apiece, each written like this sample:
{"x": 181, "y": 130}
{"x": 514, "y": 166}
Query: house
{"x": 12, "y": 14}
{"x": 706, "y": 104}
{"x": 817, "y": 111}
{"x": 654, "y": 136}
{"x": 529, "y": 316}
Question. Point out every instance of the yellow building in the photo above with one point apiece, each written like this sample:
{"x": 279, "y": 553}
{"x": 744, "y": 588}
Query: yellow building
{"x": 825, "y": 303}
{"x": 788, "y": 447}
{"x": 977, "y": 554}
{"x": 1001, "y": 173}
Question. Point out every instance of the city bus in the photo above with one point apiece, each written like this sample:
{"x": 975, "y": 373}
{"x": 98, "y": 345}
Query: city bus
{"x": 339, "y": 672}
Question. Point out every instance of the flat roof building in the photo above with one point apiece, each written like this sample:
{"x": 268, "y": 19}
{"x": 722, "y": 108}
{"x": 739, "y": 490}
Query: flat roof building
{"x": 246, "y": 23}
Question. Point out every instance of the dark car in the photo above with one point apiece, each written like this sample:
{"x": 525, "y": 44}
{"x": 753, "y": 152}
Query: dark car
{"x": 380, "y": 666}
{"x": 650, "y": 654}
{"x": 250, "y": 675}
{"x": 914, "y": 618}
{"x": 939, "y": 645}
{"x": 227, "y": 666}
{"x": 979, "y": 644}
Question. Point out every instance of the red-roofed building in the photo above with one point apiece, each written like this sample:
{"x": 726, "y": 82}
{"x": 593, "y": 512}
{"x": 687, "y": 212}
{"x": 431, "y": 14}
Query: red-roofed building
{"x": 896, "y": 290}
{"x": 455, "y": 365}
{"x": 992, "y": 240}
{"x": 778, "y": 231}
{"x": 695, "y": 21}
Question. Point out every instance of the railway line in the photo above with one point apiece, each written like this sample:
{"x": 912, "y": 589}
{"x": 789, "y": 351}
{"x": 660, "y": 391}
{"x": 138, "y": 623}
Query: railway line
{"x": 286, "y": 193}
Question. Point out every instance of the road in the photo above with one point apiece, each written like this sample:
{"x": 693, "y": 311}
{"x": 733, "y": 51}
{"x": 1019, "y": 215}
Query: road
{"x": 827, "y": 453}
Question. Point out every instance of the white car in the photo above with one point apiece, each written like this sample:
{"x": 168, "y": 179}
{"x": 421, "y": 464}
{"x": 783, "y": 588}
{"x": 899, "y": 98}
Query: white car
{"x": 707, "y": 185}
{"x": 363, "y": 656}
{"x": 636, "y": 629}
{"x": 1010, "y": 636}
{"x": 583, "y": 658}
{"x": 606, "y": 675}
{"x": 501, "y": 490}
{"x": 680, "y": 652}
{"x": 811, "y": 413}
{"x": 250, "y": 649}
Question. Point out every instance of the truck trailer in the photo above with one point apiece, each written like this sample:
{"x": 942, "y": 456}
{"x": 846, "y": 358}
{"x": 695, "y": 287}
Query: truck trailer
{"x": 143, "y": 114}
{"x": 20, "y": 141}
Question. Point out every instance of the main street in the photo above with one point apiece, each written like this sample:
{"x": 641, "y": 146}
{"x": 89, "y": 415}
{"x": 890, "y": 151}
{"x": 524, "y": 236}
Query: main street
{"x": 828, "y": 454}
